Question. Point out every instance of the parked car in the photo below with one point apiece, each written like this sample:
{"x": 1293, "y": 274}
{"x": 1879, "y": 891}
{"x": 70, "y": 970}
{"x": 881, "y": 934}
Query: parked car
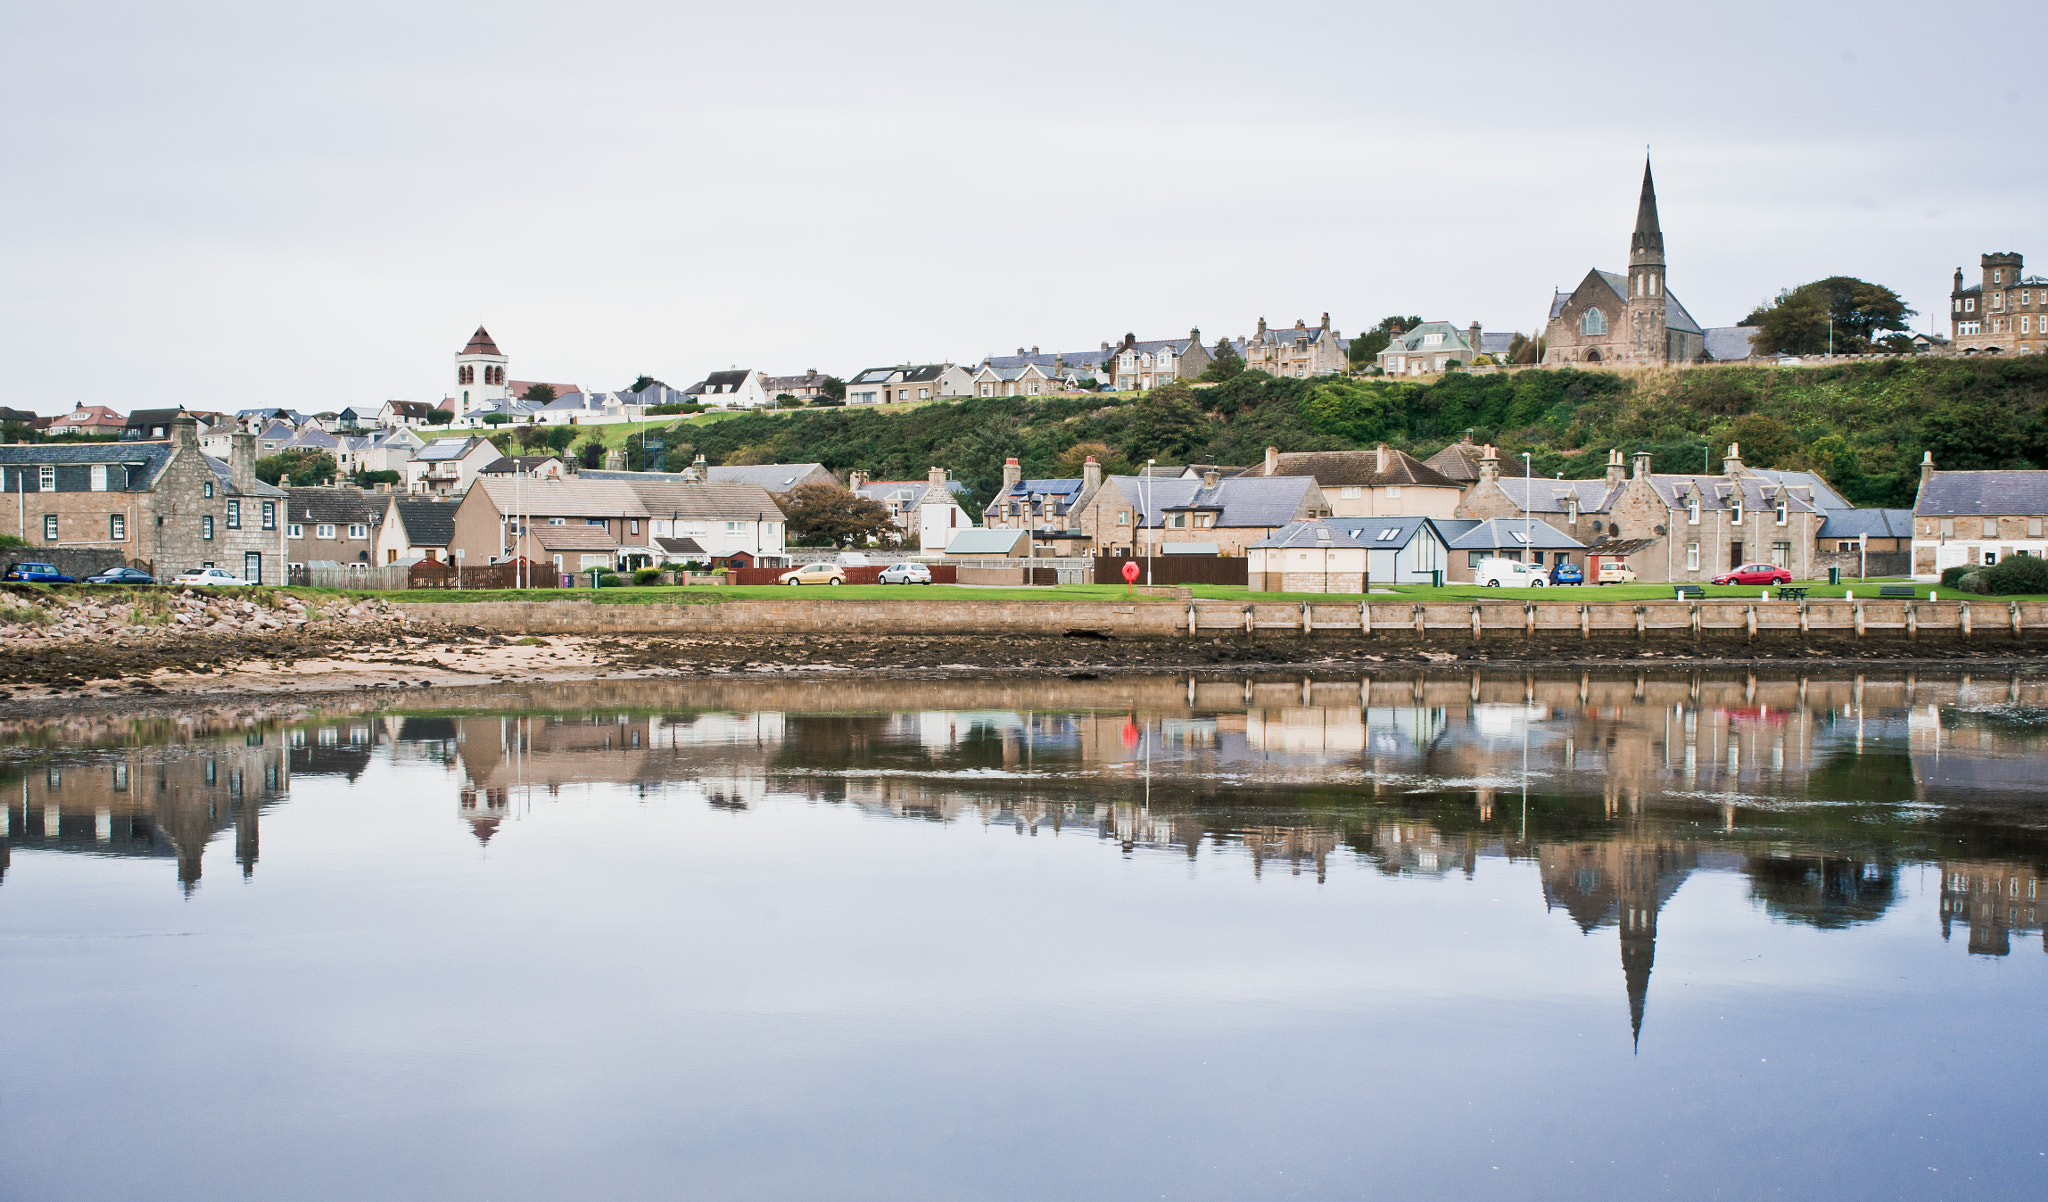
{"x": 1613, "y": 571}
{"x": 210, "y": 578}
{"x": 1755, "y": 573}
{"x": 1511, "y": 573}
{"x": 1564, "y": 571}
{"x": 121, "y": 576}
{"x": 38, "y": 573}
{"x": 906, "y": 573}
{"x": 814, "y": 573}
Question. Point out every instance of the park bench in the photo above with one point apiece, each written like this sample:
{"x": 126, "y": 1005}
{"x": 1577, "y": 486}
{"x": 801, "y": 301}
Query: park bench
{"x": 1903, "y": 592}
{"x": 1688, "y": 592}
{"x": 1792, "y": 592}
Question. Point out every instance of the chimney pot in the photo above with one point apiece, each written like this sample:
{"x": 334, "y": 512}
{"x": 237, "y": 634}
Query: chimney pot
{"x": 1272, "y": 461}
{"x": 1639, "y": 466}
{"x": 1211, "y": 478}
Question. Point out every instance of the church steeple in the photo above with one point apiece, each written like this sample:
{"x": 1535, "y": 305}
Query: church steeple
{"x": 1646, "y": 246}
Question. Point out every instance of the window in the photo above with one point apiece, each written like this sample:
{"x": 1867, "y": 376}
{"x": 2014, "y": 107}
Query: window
{"x": 1781, "y": 554}
{"x": 234, "y": 515}
{"x": 1692, "y": 509}
{"x": 1123, "y": 517}
{"x": 1393, "y": 492}
{"x": 1593, "y": 321}
{"x": 358, "y": 530}
{"x": 1998, "y": 277}
{"x": 1389, "y": 534}
{"x": 1969, "y": 304}
{"x": 1845, "y": 545}
{"x": 924, "y": 394}
{"x": 1472, "y": 558}
{"x": 2033, "y": 527}
{"x": 1180, "y": 521}
{"x": 1735, "y": 507}
{"x": 50, "y": 527}
{"x": 270, "y": 515}
{"x": 206, "y": 525}
{"x": 634, "y": 526}
{"x": 1351, "y": 494}
{"x": 117, "y": 527}
{"x": 558, "y": 521}
{"x": 295, "y": 531}
{"x": 1784, "y": 511}
{"x": 206, "y": 489}
{"x": 323, "y": 530}
{"x": 46, "y": 479}
{"x": 593, "y": 521}
{"x": 99, "y": 477}
{"x": 1998, "y": 300}
{"x": 1948, "y": 527}
{"x": 987, "y": 390}
{"x": 2026, "y": 325}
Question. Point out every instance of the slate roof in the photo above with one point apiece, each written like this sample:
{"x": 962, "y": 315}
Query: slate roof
{"x": 984, "y": 541}
{"x": 314, "y": 438}
{"x": 775, "y": 477}
{"x": 1239, "y": 502}
{"x": 1728, "y": 343}
{"x": 1456, "y": 338}
{"x": 909, "y": 494}
{"x": 417, "y": 410}
{"x": 1275, "y": 335}
{"x": 1354, "y": 468}
{"x": 1372, "y": 534}
{"x": 1459, "y": 462}
{"x": 337, "y": 505}
{"x": 1824, "y": 494}
{"x": 1876, "y": 523}
{"x": 1990, "y": 494}
{"x": 1540, "y": 494}
{"x": 142, "y": 419}
{"x": 1061, "y": 492}
{"x": 719, "y": 382}
{"x": 225, "y": 473}
{"x": 1675, "y": 315}
{"x": 480, "y": 344}
{"x": 1515, "y": 534}
{"x": 775, "y": 384}
{"x": 1718, "y": 492}
{"x": 445, "y": 449}
{"x": 1079, "y": 360}
{"x": 427, "y": 523}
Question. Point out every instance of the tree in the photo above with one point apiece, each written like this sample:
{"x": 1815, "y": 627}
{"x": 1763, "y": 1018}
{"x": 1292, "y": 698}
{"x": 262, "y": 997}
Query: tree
{"x": 828, "y": 515}
{"x": 1224, "y": 364}
{"x": 558, "y": 438}
{"x": 787, "y": 400}
{"x": 759, "y": 452}
{"x": 833, "y": 387}
{"x": 591, "y": 452}
{"x": 1167, "y": 424}
{"x": 440, "y": 417}
{"x": 529, "y": 436}
{"x": 1071, "y": 460}
{"x": 1766, "y": 442}
{"x": 642, "y": 382}
{"x": 372, "y": 479}
{"x": 539, "y": 393}
{"x": 497, "y": 419}
{"x": 1842, "y": 309}
{"x": 300, "y": 467}
{"x": 1524, "y": 349}
{"x": 1366, "y": 348}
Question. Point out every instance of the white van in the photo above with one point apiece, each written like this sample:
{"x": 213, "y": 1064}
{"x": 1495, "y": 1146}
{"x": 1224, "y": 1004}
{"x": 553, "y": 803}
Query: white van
{"x": 1508, "y": 573}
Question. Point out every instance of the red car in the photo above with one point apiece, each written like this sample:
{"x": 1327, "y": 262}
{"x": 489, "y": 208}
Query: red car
{"x": 1755, "y": 573}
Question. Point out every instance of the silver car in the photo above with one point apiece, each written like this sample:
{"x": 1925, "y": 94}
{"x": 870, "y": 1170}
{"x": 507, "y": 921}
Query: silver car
{"x": 905, "y": 573}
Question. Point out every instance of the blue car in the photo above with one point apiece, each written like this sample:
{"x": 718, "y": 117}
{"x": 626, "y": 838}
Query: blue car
{"x": 1565, "y": 572}
{"x": 38, "y": 573}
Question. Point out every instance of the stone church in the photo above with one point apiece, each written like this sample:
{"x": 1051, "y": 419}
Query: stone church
{"x": 1629, "y": 319}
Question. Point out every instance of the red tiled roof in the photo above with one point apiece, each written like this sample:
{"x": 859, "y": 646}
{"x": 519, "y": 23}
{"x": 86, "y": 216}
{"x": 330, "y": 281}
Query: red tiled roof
{"x": 480, "y": 344}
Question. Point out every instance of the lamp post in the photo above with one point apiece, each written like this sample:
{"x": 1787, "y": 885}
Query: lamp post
{"x": 1144, "y": 519}
{"x": 1528, "y": 529}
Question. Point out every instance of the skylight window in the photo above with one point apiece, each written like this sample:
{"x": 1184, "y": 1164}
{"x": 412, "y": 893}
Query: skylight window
{"x": 1519, "y": 536}
{"x": 1390, "y": 534}
{"x": 1322, "y": 535}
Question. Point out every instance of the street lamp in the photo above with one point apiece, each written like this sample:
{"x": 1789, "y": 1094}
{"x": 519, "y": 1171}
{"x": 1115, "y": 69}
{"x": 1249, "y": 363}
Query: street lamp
{"x": 1529, "y": 499}
{"x": 1145, "y": 518}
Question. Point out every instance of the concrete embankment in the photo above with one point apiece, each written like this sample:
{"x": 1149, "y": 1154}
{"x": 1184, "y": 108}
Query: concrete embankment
{"x": 1981, "y": 621}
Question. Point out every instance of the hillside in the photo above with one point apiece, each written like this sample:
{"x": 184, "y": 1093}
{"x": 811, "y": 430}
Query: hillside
{"x": 1863, "y": 425}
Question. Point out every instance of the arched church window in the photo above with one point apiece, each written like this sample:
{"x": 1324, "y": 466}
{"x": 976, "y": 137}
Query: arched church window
{"x": 1593, "y": 321}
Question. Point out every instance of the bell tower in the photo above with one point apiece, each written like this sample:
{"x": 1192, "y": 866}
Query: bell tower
{"x": 479, "y": 374}
{"x": 1649, "y": 341}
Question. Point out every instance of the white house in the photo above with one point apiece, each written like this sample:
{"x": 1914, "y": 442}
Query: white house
{"x": 929, "y": 508}
{"x": 1345, "y": 555}
{"x": 739, "y": 388}
{"x": 448, "y": 466}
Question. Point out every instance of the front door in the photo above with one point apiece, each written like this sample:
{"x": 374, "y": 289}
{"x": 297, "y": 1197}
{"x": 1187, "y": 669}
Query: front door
{"x": 1734, "y": 555}
{"x": 252, "y": 567}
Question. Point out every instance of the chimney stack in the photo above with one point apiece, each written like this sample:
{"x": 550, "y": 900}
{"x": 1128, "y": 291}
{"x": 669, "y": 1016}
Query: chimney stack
{"x": 1272, "y": 461}
{"x": 1211, "y": 478}
{"x": 184, "y": 432}
{"x": 854, "y": 479}
{"x": 1091, "y": 475}
{"x": 242, "y": 460}
{"x": 1380, "y": 460}
{"x": 1474, "y": 335}
{"x": 1326, "y": 321}
{"x": 1640, "y": 465}
{"x": 1012, "y": 474}
{"x": 1731, "y": 463}
{"x": 936, "y": 478}
{"x": 1926, "y": 467}
{"x": 1489, "y": 464}
{"x": 1616, "y": 472}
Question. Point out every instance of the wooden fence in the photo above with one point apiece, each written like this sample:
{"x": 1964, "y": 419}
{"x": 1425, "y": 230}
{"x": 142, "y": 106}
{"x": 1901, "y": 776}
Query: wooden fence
{"x": 434, "y": 573}
{"x": 1174, "y": 569}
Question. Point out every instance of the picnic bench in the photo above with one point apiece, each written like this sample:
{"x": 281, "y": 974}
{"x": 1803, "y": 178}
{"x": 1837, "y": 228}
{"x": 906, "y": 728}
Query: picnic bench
{"x": 1688, "y": 592}
{"x": 1901, "y": 591}
{"x": 1792, "y": 592}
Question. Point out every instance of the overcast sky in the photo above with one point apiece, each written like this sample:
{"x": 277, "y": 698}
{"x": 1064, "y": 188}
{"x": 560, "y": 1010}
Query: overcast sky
{"x": 229, "y": 205}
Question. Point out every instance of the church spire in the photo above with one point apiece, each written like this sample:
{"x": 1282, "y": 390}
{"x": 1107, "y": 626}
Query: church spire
{"x": 1647, "y": 244}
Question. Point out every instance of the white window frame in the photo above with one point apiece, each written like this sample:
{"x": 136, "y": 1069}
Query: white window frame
{"x": 295, "y": 530}
{"x": 358, "y": 530}
{"x": 1692, "y": 557}
{"x": 324, "y": 530}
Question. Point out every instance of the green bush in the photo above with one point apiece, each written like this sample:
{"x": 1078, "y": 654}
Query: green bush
{"x": 1971, "y": 581}
{"x": 2018, "y": 574}
{"x": 647, "y": 576}
{"x": 1951, "y": 577}
{"x": 610, "y": 580}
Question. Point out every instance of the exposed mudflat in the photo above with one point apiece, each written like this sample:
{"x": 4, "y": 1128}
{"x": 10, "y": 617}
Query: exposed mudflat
{"x": 171, "y": 670}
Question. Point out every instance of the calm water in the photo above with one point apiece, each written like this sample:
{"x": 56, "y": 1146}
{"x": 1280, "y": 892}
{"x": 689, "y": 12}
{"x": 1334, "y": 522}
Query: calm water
{"x": 1443, "y": 935}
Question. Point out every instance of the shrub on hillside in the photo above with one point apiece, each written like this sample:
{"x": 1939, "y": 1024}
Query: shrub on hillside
{"x": 2018, "y": 574}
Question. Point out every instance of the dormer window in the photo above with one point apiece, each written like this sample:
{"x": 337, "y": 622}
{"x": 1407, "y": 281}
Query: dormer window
{"x": 1784, "y": 511}
{"x": 1735, "y": 508}
{"x": 1571, "y": 508}
{"x": 1692, "y": 509}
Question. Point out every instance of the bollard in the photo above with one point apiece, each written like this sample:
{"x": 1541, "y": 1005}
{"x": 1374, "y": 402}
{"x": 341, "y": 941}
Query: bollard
{"x": 1963, "y": 618}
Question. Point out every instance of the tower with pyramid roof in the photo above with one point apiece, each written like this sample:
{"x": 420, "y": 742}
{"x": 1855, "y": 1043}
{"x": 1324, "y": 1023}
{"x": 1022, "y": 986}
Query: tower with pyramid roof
{"x": 479, "y": 374}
